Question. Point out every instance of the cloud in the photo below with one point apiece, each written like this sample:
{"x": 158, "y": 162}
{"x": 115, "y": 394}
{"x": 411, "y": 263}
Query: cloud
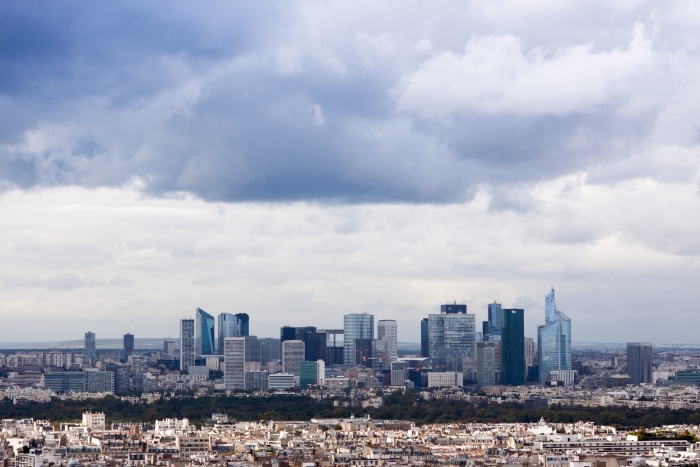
{"x": 495, "y": 75}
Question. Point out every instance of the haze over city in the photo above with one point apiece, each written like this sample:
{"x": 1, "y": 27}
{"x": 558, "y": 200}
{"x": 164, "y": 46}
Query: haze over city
{"x": 300, "y": 161}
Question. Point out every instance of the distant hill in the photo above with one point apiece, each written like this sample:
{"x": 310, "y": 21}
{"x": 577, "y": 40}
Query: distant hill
{"x": 150, "y": 343}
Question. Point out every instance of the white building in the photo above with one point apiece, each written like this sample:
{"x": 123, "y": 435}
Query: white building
{"x": 234, "y": 363}
{"x": 96, "y": 421}
{"x": 172, "y": 425}
{"x": 280, "y": 381}
{"x": 450, "y": 379}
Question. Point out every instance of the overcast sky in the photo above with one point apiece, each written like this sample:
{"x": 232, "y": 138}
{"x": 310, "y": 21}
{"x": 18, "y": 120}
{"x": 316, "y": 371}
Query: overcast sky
{"x": 302, "y": 160}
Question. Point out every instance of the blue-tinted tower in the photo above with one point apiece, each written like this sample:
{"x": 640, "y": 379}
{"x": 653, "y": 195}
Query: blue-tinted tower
{"x": 204, "y": 333}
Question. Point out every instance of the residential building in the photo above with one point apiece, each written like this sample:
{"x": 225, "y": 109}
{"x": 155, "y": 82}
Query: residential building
{"x": 95, "y": 421}
{"x": 99, "y": 381}
{"x": 63, "y": 381}
{"x": 355, "y": 326}
{"x": 451, "y": 379}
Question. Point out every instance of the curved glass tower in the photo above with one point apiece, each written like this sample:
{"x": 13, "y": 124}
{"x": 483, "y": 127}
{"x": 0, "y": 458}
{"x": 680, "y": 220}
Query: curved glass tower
{"x": 204, "y": 333}
{"x": 553, "y": 340}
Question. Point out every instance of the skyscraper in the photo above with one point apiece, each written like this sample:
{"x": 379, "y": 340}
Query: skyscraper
{"x": 187, "y": 348}
{"x": 128, "y": 344}
{"x": 292, "y": 356}
{"x": 553, "y": 340}
{"x": 387, "y": 331}
{"x": 356, "y": 326}
{"x": 512, "y": 324}
{"x": 451, "y": 331}
{"x": 334, "y": 346}
{"x": 204, "y": 333}
{"x": 424, "y": 338}
{"x": 245, "y": 323}
{"x": 229, "y": 325}
{"x": 314, "y": 341}
{"x": 453, "y": 309}
{"x": 237, "y": 352}
{"x": 169, "y": 347}
{"x": 89, "y": 353}
{"x": 485, "y": 363}
{"x": 530, "y": 352}
{"x": 639, "y": 362}
{"x": 269, "y": 350}
{"x": 492, "y": 327}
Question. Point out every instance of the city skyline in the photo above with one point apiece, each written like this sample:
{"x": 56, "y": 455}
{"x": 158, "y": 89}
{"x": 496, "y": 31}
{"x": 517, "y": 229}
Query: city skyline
{"x": 313, "y": 160}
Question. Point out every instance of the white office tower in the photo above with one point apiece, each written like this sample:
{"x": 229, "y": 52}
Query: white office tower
{"x": 186, "y": 344}
{"x": 355, "y": 326}
{"x": 292, "y": 356}
{"x": 234, "y": 363}
{"x": 387, "y": 331}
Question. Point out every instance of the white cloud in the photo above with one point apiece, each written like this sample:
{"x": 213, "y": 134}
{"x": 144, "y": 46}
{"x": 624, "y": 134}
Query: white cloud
{"x": 496, "y": 75}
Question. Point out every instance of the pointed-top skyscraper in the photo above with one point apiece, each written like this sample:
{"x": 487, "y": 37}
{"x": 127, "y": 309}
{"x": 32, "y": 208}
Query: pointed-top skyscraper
{"x": 553, "y": 340}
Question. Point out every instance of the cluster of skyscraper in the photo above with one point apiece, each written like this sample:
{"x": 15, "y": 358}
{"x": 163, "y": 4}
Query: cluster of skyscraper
{"x": 197, "y": 336}
{"x": 500, "y": 353}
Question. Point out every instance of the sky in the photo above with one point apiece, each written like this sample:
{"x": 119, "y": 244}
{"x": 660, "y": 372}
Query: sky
{"x": 298, "y": 161}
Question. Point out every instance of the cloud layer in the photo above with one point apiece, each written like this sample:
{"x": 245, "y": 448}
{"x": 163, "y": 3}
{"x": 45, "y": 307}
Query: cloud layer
{"x": 311, "y": 159}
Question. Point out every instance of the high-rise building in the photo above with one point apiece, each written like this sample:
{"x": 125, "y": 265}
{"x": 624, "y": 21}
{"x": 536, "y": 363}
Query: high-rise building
{"x": 121, "y": 378}
{"x": 244, "y": 319}
{"x": 363, "y": 352}
{"x": 334, "y": 346}
{"x": 128, "y": 345}
{"x": 553, "y": 340}
{"x": 486, "y": 363}
{"x": 204, "y": 333}
{"x": 356, "y": 326}
{"x": 237, "y": 352}
{"x": 453, "y": 332}
{"x": 229, "y": 325}
{"x": 530, "y": 352}
{"x": 314, "y": 341}
{"x": 453, "y": 309}
{"x": 292, "y": 356}
{"x": 424, "y": 338}
{"x": 311, "y": 373}
{"x": 63, "y": 381}
{"x": 512, "y": 323}
{"x": 387, "y": 330}
{"x": 89, "y": 353}
{"x": 99, "y": 381}
{"x": 187, "y": 348}
{"x": 639, "y": 359}
{"x": 169, "y": 347}
{"x": 269, "y": 350}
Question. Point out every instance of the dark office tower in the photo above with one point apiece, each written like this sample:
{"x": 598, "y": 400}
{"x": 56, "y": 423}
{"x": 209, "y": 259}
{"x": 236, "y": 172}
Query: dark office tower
{"x": 639, "y": 362}
{"x": 229, "y": 326}
{"x": 334, "y": 346}
{"x": 424, "y": 338}
{"x": 245, "y": 323}
{"x": 453, "y": 309}
{"x": 512, "y": 346}
{"x": 128, "y": 344}
{"x": 269, "y": 350}
{"x": 187, "y": 354}
{"x": 314, "y": 342}
{"x": 363, "y": 352}
{"x": 204, "y": 333}
{"x": 89, "y": 352}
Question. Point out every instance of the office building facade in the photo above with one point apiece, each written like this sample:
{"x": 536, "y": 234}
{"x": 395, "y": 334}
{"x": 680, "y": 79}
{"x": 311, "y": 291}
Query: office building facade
{"x": 311, "y": 373}
{"x": 387, "y": 331}
{"x": 355, "y": 326}
{"x": 553, "y": 341}
{"x": 187, "y": 346}
{"x": 169, "y": 348}
{"x": 90, "y": 352}
{"x": 639, "y": 359}
{"x": 128, "y": 345}
{"x": 512, "y": 324}
{"x": 334, "y": 346}
{"x": 204, "y": 333}
{"x": 64, "y": 381}
{"x": 239, "y": 352}
{"x": 485, "y": 364}
{"x": 452, "y": 332}
{"x": 99, "y": 381}
{"x": 228, "y": 325}
{"x": 292, "y": 356}
{"x": 424, "y": 338}
{"x": 269, "y": 350}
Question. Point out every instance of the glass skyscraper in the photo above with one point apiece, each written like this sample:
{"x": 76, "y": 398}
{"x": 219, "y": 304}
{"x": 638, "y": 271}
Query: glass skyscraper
{"x": 187, "y": 348}
{"x": 229, "y": 326}
{"x": 244, "y": 319}
{"x": 553, "y": 340}
{"x": 424, "y": 338}
{"x": 128, "y": 344}
{"x": 512, "y": 324}
{"x": 356, "y": 326}
{"x": 451, "y": 331}
{"x": 204, "y": 333}
{"x": 89, "y": 353}
{"x": 387, "y": 331}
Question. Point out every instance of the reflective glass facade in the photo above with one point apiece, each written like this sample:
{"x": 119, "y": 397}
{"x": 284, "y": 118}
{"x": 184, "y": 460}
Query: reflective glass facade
{"x": 204, "y": 333}
{"x": 553, "y": 340}
{"x": 356, "y": 326}
{"x": 451, "y": 331}
{"x": 229, "y": 326}
{"x": 90, "y": 353}
{"x": 513, "y": 346}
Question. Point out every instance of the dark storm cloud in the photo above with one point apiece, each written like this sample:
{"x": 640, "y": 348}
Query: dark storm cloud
{"x": 295, "y": 101}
